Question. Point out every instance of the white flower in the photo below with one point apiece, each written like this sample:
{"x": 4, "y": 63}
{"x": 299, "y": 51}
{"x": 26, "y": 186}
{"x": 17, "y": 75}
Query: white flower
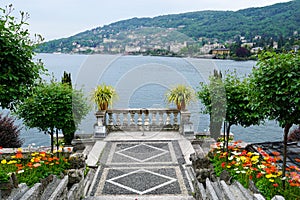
{"x": 243, "y": 172}
{"x": 230, "y": 158}
{"x": 20, "y": 171}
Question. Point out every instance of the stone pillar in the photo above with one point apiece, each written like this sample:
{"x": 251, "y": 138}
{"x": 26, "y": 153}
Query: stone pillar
{"x": 100, "y": 128}
{"x": 186, "y": 126}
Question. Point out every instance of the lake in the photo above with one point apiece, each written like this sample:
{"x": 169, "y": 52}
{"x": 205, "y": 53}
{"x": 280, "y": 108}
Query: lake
{"x": 141, "y": 82}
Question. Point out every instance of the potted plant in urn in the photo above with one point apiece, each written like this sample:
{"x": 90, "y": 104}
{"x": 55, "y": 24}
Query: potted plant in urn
{"x": 103, "y": 96}
{"x": 181, "y": 96}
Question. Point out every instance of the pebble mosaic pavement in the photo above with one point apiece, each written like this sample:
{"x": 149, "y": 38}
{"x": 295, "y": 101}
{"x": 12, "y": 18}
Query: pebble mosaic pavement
{"x": 141, "y": 168}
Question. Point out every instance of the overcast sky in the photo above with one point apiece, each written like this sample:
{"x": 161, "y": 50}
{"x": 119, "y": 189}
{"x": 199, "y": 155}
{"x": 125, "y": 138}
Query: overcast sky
{"x": 62, "y": 18}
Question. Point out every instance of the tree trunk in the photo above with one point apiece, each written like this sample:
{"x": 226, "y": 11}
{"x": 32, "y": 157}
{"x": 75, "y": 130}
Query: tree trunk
{"x": 285, "y": 136}
{"x": 224, "y": 135}
{"x": 57, "y": 145}
{"x": 227, "y": 139}
{"x": 51, "y": 138}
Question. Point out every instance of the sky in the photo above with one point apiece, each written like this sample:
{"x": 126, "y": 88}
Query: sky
{"x": 55, "y": 19}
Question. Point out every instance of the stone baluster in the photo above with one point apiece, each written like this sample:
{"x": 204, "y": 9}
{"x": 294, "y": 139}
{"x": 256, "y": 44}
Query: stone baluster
{"x": 146, "y": 120}
{"x": 168, "y": 119}
{"x": 110, "y": 119}
{"x": 153, "y": 118}
{"x": 118, "y": 120}
{"x": 160, "y": 118}
{"x": 140, "y": 120}
{"x": 132, "y": 123}
{"x": 125, "y": 119}
{"x": 175, "y": 118}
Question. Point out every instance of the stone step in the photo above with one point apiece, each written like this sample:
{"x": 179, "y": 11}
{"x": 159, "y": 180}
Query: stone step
{"x": 139, "y": 197}
{"x": 228, "y": 195}
{"x": 95, "y": 153}
{"x": 218, "y": 190}
{"x": 238, "y": 194}
{"x": 246, "y": 193}
{"x": 210, "y": 192}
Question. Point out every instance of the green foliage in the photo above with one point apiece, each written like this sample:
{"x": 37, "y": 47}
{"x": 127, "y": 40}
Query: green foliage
{"x": 276, "y": 90}
{"x": 276, "y": 84}
{"x": 18, "y": 72}
{"x": 180, "y": 95}
{"x": 9, "y": 133}
{"x": 52, "y": 106}
{"x": 103, "y": 96}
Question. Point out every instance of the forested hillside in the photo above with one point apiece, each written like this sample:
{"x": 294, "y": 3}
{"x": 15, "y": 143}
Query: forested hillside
{"x": 276, "y": 21}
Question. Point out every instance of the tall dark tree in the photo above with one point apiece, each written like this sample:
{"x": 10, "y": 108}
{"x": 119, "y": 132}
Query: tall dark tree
{"x": 69, "y": 128}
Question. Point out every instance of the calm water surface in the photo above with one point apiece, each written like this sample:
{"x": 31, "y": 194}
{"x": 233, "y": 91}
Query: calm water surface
{"x": 141, "y": 82}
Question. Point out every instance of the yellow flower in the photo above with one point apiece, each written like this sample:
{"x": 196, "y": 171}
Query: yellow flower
{"x": 12, "y": 162}
{"x": 32, "y": 160}
{"x": 279, "y": 173}
{"x": 13, "y": 157}
{"x": 254, "y": 158}
{"x": 269, "y": 176}
{"x": 3, "y": 161}
{"x": 20, "y": 149}
{"x": 249, "y": 154}
{"x": 271, "y": 180}
{"x": 243, "y": 158}
{"x": 228, "y": 166}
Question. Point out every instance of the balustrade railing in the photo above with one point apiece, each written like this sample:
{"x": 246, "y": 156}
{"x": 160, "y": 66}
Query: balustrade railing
{"x": 142, "y": 119}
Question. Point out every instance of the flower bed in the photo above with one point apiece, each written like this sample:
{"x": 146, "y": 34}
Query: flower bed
{"x": 31, "y": 168}
{"x": 260, "y": 167}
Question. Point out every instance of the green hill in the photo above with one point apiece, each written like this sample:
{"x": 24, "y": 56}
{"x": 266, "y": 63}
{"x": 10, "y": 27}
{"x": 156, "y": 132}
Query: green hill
{"x": 275, "y": 21}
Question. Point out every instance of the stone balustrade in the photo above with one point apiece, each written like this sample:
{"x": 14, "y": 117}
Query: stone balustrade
{"x": 141, "y": 119}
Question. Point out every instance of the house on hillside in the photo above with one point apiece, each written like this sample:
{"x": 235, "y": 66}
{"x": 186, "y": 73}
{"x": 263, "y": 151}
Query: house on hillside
{"x": 221, "y": 52}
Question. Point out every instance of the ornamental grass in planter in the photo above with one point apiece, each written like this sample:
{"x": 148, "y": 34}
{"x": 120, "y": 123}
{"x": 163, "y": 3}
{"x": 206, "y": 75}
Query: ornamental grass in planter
{"x": 103, "y": 96}
{"x": 244, "y": 166}
{"x": 181, "y": 96}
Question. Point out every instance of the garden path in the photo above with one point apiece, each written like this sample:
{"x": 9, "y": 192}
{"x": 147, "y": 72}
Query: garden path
{"x": 135, "y": 165}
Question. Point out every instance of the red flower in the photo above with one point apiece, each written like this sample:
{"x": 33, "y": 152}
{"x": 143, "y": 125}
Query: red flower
{"x": 259, "y": 175}
{"x": 275, "y": 184}
{"x": 250, "y": 177}
{"x": 297, "y": 159}
{"x": 223, "y": 164}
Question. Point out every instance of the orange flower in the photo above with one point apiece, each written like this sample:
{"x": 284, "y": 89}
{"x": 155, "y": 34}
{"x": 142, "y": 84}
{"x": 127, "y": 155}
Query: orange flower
{"x": 50, "y": 159}
{"x": 297, "y": 159}
{"x": 29, "y": 164}
{"x": 259, "y": 149}
{"x": 19, "y": 154}
{"x": 275, "y": 153}
{"x": 57, "y": 163}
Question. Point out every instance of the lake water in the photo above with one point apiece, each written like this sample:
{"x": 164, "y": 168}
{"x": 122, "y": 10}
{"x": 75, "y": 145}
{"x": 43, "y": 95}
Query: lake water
{"x": 141, "y": 82}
